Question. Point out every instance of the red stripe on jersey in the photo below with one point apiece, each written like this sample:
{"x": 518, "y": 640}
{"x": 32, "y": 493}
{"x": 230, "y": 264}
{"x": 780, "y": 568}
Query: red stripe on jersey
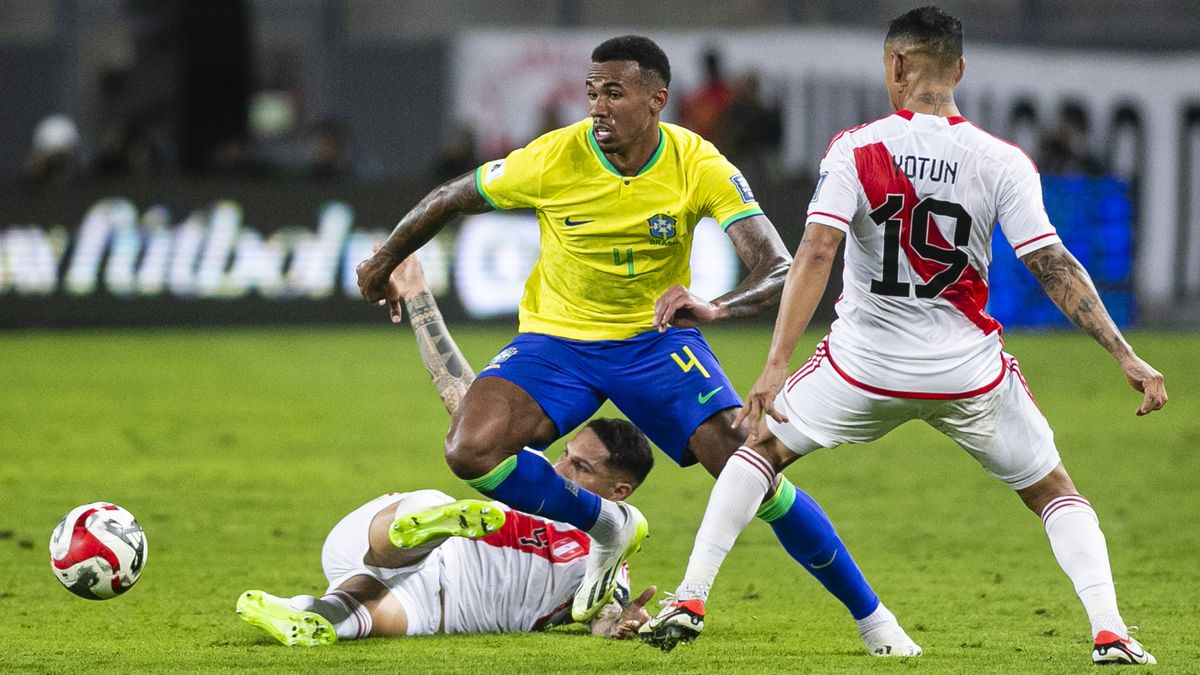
{"x": 1030, "y": 241}
{"x": 928, "y": 396}
{"x": 906, "y": 114}
{"x": 879, "y": 177}
{"x": 543, "y": 538}
{"x": 831, "y": 215}
{"x": 956, "y": 119}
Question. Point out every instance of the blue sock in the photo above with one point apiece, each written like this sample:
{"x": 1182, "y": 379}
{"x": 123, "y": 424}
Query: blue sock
{"x": 529, "y": 483}
{"x": 808, "y": 536}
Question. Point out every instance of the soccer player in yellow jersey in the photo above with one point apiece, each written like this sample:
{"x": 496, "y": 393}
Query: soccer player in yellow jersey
{"x": 606, "y": 314}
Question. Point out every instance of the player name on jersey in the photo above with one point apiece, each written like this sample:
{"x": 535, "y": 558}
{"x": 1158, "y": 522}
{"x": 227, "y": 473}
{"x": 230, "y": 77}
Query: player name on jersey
{"x": 926, "y": 168}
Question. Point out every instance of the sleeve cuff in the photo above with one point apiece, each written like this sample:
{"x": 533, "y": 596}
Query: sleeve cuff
{"x": 740, "y": 215}
{"x": 479, "y": 187}
{"x": 831, "y": 219}
{"x": 1034, "y": 243}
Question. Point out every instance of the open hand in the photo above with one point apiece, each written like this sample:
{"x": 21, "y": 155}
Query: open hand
{"x": 761, "y": 401}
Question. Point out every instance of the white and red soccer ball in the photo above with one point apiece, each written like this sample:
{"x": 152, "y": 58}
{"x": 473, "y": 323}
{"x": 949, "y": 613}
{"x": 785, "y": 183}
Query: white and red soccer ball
{"x": 98, "y": 551}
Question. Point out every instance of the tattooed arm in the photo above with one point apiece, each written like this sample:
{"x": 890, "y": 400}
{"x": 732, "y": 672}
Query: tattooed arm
{"x": 1070, "y": 287}
{"x": 453, "y": 198}
{"x": 447, "y": 367}
{"x": 760, "y": 248}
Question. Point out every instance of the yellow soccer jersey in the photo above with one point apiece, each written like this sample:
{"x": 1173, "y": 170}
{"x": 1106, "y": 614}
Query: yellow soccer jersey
{"x": 611, "y": 244}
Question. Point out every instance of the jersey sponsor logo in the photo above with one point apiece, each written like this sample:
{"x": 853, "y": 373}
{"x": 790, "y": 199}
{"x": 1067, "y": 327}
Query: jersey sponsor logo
{"x": 494, "y": 171}
{"x": 743, "y": 187}
{"x": 703, "y": 398}
{"x": 574, "y": 223}
{"x": 662, "y": 229}
{"x": 817, "y": 190}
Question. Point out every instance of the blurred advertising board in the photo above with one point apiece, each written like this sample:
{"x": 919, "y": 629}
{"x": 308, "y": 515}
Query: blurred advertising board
{"x": 180, "y": 252}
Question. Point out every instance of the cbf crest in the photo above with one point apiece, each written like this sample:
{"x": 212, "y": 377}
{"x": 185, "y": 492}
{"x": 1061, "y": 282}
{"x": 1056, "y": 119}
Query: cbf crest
{"x": 662, "y": 229}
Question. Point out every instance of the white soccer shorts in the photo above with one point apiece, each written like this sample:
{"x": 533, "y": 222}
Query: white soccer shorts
{"x": 417, "y": 587}
{"x": 1003, "y": 429}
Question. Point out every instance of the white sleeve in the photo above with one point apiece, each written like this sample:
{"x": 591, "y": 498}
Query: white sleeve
{"x": 836, "y": 197}
{"x": 1021, "y": 212}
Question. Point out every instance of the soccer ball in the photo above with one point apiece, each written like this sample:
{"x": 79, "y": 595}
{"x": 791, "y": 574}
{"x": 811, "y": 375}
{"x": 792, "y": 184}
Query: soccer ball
{"x": 98, "y": 551}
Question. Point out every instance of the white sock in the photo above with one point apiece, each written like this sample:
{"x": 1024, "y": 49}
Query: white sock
{"x": 882, "y": 616}
{"x": 610, "y": 521}
{"x": 351, "y": 621}
{"x": 734, "y": 500}
{"x": 1081, "y": 551}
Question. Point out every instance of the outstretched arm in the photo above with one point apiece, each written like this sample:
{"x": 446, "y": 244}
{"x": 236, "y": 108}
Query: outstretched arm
{"x": 453, "y": 198}
{"x": 1070, "y": 287}
{"x": 802, "y": 291}
{"x": 760, "y": 248}
{"x": 449, "y": 369}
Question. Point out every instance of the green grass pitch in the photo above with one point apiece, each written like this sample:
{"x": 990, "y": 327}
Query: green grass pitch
{"x": 237, "y": 450}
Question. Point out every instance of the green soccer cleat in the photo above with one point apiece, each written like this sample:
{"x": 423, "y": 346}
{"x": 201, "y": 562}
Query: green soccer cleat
{"x": 292, "y": 627}
{"x": 470, "y": 518}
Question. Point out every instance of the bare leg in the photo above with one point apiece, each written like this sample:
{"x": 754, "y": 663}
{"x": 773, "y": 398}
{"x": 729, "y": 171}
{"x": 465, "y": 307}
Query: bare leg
{"x": 496, "y": 420}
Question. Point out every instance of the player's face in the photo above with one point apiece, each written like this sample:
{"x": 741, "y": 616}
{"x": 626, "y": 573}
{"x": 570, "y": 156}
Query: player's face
{"x": 624, "y": 104}
{"x": 585, "y": 461}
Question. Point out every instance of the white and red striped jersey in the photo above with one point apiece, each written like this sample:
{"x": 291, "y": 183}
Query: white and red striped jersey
{"x": 520, "y": 578}
{"x": 919, "y": 197}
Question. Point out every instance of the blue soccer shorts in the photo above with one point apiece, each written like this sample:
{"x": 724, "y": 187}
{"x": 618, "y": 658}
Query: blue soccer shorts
{"x": 667, "y": 384}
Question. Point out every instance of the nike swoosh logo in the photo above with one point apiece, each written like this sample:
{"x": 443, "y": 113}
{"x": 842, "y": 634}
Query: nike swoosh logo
{"x": 703, "y": 398}
{"x": 573, "y": 223}
{"x": 827, "y": 564}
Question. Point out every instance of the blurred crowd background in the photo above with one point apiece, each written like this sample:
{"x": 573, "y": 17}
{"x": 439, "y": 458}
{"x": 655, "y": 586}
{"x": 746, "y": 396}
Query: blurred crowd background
{"x": 103, "y": 88}
{"x": 146, "y": 93}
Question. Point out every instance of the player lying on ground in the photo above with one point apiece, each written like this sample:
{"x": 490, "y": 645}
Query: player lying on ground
{"x": 919, "y": 193}
{"x": 419, "y": 563}
{"x": 606, "y": 315}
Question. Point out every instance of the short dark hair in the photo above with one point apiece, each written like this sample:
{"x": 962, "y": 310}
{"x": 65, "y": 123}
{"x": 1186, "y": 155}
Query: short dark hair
{"x": 649, "y": 56}
{"x": 628, "y": 449}
{"x": 937, "y": 33}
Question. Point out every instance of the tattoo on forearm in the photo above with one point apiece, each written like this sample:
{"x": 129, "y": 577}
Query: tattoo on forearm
{"x": 759, "y": 247}
{"x": 452, "y": 198}
{"x": 448, "y": 368}
{"x": 1069, "y": 286}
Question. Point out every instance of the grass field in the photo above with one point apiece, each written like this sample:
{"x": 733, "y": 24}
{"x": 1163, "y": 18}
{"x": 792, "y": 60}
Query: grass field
{"x": 238, "y": 450}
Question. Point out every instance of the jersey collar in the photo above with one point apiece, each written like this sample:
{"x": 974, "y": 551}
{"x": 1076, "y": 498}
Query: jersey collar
{"x": 908, "y": 115}
{"x": 662, "y": 142}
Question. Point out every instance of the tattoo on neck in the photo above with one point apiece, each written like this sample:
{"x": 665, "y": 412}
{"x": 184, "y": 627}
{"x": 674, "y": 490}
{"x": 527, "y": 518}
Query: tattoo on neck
{"x": 936, "y": 101}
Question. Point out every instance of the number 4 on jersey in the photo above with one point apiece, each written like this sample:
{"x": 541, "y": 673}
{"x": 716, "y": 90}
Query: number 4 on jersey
{"x": 909, "y": 227}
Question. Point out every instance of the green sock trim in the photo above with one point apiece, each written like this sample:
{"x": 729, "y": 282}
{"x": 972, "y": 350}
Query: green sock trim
{"x": 488, "y": 482}
{"x": 778, "y": 505}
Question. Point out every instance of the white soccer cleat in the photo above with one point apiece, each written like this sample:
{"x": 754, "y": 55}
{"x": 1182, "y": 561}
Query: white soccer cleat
{"x": 605, "y": 561}
{"x": 1112, "y": 649}
{"x": 890, "y": 639}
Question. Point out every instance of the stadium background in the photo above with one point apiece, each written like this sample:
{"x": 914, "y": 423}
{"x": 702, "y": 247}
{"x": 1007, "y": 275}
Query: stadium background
{"x": 174, "y": 172}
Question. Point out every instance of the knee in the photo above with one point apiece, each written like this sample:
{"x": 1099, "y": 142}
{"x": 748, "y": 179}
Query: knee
{"x": 470, "y": 454}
